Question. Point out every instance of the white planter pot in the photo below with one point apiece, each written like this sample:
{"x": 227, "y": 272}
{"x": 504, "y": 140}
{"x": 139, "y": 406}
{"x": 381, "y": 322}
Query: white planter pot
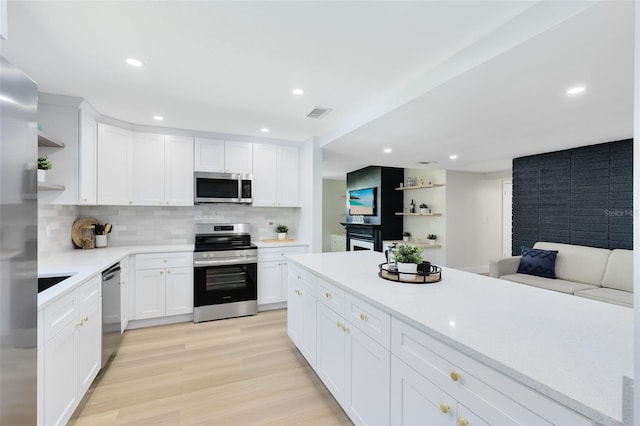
{"x": 41, "y": 175}
{"x": 424, "y": 211}
{"x": 410, "y": 268}
{"x": 405, "y": 238}
{"x": 282, "y": 235}
{"x": 101, "y": 240}
{"x": 432, "y": 242}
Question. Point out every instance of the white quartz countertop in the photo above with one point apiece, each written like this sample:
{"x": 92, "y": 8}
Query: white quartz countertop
{"x": 572, "y": 349}
{"x": 83, "y": 264}
{"x": 296, "y": 243}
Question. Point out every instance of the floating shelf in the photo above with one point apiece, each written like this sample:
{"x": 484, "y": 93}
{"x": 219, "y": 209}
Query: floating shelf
{"x": 418, "y": 214}
{"x": 44, "y": 140}
{"x": 49, "y": 187}
{"x": 420, "y": 244}
{"x": 405, "y": 188}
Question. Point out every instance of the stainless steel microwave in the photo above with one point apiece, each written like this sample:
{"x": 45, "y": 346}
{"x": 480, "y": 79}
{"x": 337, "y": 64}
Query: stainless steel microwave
{"x": 222, "y": 188}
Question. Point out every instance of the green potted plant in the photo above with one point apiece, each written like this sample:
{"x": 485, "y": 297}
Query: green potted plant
{"x": 408, "y": 257}
{"x": 432, "y": 239}
{"x": 282, "y": 231}
{"x": 406, "y": 236}
{"x": 44, "y": 164}
{"x": 424, "y": 209}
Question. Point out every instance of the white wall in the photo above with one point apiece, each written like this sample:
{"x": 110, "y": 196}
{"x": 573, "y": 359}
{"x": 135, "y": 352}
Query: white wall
{"x": 311, "y": 195}
{"x": 474, "y": 219}
{"x": 333, "y": 210}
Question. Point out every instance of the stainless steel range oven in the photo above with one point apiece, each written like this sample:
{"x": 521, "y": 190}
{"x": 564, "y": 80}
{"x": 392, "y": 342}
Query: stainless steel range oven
{"x": 225, "y": 266}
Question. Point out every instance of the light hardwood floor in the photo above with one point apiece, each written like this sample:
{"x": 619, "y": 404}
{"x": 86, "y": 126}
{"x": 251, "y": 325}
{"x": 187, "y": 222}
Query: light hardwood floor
{"x": 240, "y": 371}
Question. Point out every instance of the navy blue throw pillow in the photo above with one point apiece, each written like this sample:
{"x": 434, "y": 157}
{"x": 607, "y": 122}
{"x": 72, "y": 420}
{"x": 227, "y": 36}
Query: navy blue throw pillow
{"x": 541, "y": 263}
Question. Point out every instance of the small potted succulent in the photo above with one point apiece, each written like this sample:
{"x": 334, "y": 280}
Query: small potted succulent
{"x": 408, "y": 257}
{"x": 282, "y": 231}
{"x": 424, "y": 209}
{"x": 432, "y": 239}
{"x": 406, "y": 236}
{"x": 44, "y": 164}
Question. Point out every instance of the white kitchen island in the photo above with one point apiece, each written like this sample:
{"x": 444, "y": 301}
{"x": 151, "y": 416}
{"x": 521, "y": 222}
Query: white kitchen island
{"x": 479, "y": 349}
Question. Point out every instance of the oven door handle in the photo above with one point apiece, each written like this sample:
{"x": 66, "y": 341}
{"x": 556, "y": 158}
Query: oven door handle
{"x": 223, "y": 262}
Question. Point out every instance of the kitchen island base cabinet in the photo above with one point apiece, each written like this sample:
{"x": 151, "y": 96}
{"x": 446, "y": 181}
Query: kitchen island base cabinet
{"x": 301, "y": 313}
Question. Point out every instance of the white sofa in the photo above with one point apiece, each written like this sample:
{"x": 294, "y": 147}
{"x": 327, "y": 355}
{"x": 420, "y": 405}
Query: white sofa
{"x": 594, "y": 273}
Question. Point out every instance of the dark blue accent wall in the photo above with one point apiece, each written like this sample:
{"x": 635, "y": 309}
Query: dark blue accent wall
{"x": 580, "y": 196}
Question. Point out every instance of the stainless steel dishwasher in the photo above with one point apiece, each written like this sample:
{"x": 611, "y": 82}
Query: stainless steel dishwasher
{"x": 111, "y": 312}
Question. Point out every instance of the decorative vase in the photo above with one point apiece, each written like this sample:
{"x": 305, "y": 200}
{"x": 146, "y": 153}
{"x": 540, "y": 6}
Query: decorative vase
{"x": 101, "y": 240}
{"x": 410, "y": 268}
{"x": 424, "y": 211}
{"x": 282, "y": 235}
{"x": 41, "y": 175}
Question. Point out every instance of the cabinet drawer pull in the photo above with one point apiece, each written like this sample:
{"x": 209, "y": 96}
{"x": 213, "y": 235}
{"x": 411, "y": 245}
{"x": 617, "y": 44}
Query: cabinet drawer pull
{"x": 161, "y": 272}
{"x": 454, "y": 376}
{"x": 363, "y": 317}
{"x": 444, "y": 408}
{"x": 462, "y": 421}
{"x": 327, "y": 295}
{"x": 168, "y": 271}
{"x": 299, "y": 277}
{"x": 345, "y": 328}
{"x": 339, "y": 324}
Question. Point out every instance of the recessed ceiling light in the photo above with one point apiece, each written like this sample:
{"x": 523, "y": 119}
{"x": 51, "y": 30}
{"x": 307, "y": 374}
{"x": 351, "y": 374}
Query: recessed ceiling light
{"x": 387, "y": 150}
{"x": 264, "y": 130}
{"x": 298, "y": 91}
{"x": 158, "y": 117}
{"x": 453, "y": 156}
{"x": 575, "y": 90}
{"x": 135, "y": 62}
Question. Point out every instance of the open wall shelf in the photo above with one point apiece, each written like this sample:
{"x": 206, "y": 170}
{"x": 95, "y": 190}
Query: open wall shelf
{"x": 44, "y": 140}
{"x": 418, "y": 214}
{"x": 405, "y": 188}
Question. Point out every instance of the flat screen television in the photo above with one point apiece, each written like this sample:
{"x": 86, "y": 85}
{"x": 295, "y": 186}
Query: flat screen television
{"x": 362, "y": 202}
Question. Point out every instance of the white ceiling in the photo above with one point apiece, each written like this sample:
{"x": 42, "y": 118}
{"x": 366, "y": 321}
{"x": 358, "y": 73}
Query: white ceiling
{"x": 485, "y": 80}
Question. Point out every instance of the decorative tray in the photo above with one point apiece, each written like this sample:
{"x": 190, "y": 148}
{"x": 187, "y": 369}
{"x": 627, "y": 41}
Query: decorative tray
{"x": 432, "y": 276}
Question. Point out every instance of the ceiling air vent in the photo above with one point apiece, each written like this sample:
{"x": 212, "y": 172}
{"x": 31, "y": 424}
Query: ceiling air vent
{"x": 319, "y": 112}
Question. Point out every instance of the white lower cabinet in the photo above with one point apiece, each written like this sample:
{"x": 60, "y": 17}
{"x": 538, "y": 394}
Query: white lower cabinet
{"x": 301, "y": 312}
{"x": 272, "y": 273}
{"x": 72, "y": 347}
{"x": 125, "y": 283}
{"x": 163, "y": 284}
{"x": 354, "y": 367}
{"x": 415, "y": 400}
{"x": 382, "y": 370}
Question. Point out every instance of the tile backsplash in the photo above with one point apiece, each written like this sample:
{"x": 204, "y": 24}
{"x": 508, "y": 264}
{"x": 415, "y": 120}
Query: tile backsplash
{"x": 136, "y": 225}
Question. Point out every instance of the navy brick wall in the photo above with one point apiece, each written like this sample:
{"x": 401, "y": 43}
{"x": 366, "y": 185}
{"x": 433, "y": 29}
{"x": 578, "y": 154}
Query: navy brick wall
{"x": 580, "y": 196}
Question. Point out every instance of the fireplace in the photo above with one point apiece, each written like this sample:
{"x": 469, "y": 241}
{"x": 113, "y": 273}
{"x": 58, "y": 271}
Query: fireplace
{"x": 357, "y": 244}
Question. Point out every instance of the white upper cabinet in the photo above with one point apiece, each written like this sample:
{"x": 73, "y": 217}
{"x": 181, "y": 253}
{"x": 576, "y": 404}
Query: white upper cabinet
{"x": 276, "y": 176}
{"x": 162, "y": 170}
{"x": 4, "y": 30}
{"x": 215, "y": 155}
{"x": 178, "y": 179}
{"x": 88, "y": 164}
{"x": 115, "y": 168}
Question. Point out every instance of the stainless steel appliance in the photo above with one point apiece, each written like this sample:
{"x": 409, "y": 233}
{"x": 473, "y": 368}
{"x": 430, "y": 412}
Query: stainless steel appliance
{"x": 222, "y": 188}
{"x": 225, "y": 266}
{"x": 111, "y": 312}
{"x": 18, "y": 246}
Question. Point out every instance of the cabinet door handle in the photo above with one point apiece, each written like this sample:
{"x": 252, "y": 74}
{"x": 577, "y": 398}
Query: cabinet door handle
{"x": 161, "y": 272}
{"x": 454, "y": 376}
{"x": 444, "y": 408}
{"x": 168, "y": 271}
{"x": 462, "y": 421}
{"x": 345, "y": 328}
{"x": 299, "y": 277}
{"x": 327, "y": 295}
{"x": 339, "y": 324}
{"x": 82, "y": 321}
{"x": 363, "y": 317}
